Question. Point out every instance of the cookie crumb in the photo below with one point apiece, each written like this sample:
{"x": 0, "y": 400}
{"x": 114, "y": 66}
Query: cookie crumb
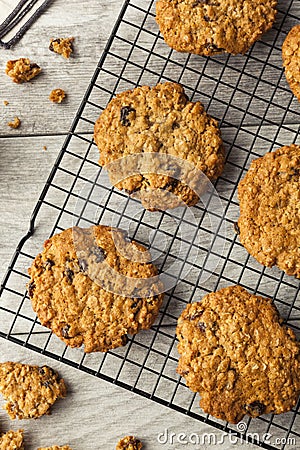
{"x": 129, "y": 443}
{"x": 14, "y": 123}
{"x": 62, "y": 46}
{"x": 20, "y": 70}
{"x": 12, "y": 440}
{"x": 45, "y": 148}
{"x": 57, "y": 95}
{"x": 5, "y": 102}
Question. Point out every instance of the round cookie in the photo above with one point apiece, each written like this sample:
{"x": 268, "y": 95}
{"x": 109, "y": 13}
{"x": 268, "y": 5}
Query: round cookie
{"x": 291, "y": 59}
{"x": 93, "y": 286}
{"x": 237, "y": 354}
{"x": 269, "y": 223}
{"x": 160, "y": 129}
{"x": 30, "y": 390}
{"x": 207, "y": 27}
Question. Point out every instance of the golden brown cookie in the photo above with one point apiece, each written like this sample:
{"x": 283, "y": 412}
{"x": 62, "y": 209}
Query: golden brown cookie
{"x": 162, "y": 126}
{"x": 236, "y": 353}
{"x": 93, "y": 286}
{"x": 29, "y": 390}
{"x": 62, "y": 46}
{"x": 129, "y": 443}
{"x": 269, "y": 223}
{"x": 207, "y": 27}
{"x": 56, "y": 447}
{"x": 21, "y": 70}
{"x": 12, "y": 440}
{"x": 291, "y": 59}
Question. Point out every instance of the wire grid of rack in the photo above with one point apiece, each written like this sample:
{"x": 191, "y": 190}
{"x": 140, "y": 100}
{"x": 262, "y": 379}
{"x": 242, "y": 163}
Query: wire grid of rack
{"x": 257, "y": 113}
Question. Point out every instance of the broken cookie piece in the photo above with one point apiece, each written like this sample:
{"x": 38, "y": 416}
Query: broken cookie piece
{"x": 12, "y": 440}
{"x": 30, "y": 391}
{"x": 129, "y": 443}
{"x": 62, "y": 46}
{"x": 14, "y": 123}
{"x": 20, "y": 70}
{"x": 57, "y": 95}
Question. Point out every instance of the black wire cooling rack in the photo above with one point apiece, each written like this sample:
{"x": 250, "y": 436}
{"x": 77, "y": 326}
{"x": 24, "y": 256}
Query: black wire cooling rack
{"x": 257, "y": 113}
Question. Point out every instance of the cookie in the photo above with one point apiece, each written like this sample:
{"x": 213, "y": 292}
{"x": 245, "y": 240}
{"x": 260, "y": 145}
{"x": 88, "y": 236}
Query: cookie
{"x": 20, "y": 70}
{"x": 129, "y": 443}
{"x": 12, "y": 440}
{"x": 291, "y": 59}
{"x": 56, "y": 447}
{"x": 93, "y": 286}
{"x": 207, "y": 27}
{"x": 62, "y": 46}
{"x": 159, "y": 130}
{"x": 29, "y": 390}
{"x": 269, "y": 223}
{"x": 57, "y": 95}
{"x": 237, "y": 354}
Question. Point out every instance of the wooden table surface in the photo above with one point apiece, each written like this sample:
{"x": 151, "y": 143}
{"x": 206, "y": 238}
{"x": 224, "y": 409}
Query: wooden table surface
{"x": 95, "y": 414}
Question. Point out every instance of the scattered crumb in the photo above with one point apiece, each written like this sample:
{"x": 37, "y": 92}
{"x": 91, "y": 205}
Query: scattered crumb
{"x": 57, "y": 95}
{"x": 14, "y": 123}
{"x": 45, "y": 148}
{"x": 5, "y": 102}
{"x": 22, "y": 69}
{"x": 62, "y": 46}
{"x": 129, "y": 443}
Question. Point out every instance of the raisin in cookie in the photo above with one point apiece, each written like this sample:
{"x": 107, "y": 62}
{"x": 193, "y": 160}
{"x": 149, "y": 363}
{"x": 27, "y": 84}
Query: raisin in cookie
{"x": 237, "y": 354}
{"x": 30, "y": 390}
{"x": 207, "y": 27}
{"x": 291, "y": 59}
{"x": 12, "y": 440}
{"x": 269, "y": 223}
{"x": 151, "y": 140}
{"x": 93, "y": 286}
{"x": 129, "y": 443}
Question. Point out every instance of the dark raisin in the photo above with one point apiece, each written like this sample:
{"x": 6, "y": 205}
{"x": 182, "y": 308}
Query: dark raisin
{"x": 171, "y": 184}
{"x": 135, "y": 303}
{"x": 57, "y": 41}
{"x": 41, "y": 371}
{"x": 124, "y": 339}
{"x": 100, "y": 254}
{"x": 255, "y": 409}
{"x": 195, "y": 315}
{"x": 207, "y": 18}
{"x": 65, "y": 331}
{"x": 175, "y": 125}
{"x": 204, "y": 2}
{"x": 49, "y": 263}
{"x": 34, "y": 66}
{"x": 47, "y": 383}
{"x": 69, "y": 274}
{"x": 236, "y": 227}
{"x": 83, "y": 264}
{"x": 201, "y": 326}
{"x": 124, "y": 113}
{"x": 31, "y": 288}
